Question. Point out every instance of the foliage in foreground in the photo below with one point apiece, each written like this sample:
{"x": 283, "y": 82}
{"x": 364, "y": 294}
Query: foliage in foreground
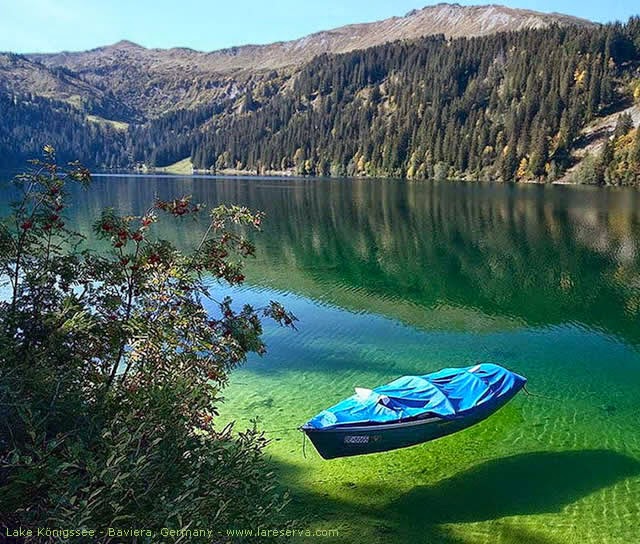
{"x": 111, "y": 369}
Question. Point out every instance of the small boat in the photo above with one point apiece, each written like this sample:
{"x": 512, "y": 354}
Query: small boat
{"x": 411, "y": 410}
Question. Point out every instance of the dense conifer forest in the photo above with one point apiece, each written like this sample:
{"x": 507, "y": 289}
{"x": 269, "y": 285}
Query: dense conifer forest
{"x": 28, "y": 121}
{"x": 509, "y": 106}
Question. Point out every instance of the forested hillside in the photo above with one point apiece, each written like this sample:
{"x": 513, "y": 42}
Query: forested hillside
{"x": 28, "y": 122}
{"x": 507, "y": 106}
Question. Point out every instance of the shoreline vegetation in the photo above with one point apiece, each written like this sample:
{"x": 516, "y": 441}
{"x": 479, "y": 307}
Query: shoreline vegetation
{"x": 613, "y": 161}
{"x": 111, "y": 368}
{"x": 609, "y": 156}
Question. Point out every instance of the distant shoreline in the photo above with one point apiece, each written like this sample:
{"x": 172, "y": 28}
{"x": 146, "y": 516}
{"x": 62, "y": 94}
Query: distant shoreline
{"x": 243, "y": 174}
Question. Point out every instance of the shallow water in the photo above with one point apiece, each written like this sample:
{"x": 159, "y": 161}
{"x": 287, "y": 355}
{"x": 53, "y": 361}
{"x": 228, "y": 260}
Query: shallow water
{"x": 391, "y": 278}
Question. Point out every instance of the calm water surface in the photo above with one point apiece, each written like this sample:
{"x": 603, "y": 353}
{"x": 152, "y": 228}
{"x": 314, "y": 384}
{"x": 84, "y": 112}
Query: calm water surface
{"x": 390, "y": 278}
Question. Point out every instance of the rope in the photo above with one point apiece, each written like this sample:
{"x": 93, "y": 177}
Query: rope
{"x": 289, "y": 429}
{"x": 304, "y": 443}
{"x": 283, "y": 430}
{"x": 530, "y": 394}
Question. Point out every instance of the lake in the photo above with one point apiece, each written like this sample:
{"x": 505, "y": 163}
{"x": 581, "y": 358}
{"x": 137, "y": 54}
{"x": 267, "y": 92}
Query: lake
{"x": 391, "y": 278}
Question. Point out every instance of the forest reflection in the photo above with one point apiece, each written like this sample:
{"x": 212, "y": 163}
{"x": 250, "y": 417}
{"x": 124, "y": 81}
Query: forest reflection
{"x": 523, "y": 254}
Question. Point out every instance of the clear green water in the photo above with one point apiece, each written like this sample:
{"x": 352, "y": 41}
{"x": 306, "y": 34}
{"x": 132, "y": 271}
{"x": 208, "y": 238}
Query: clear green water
{"x": 390, "y": 278}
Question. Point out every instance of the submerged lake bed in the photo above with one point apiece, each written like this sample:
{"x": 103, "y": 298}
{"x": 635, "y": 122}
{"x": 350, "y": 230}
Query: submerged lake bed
{"x": 390, "y": 278}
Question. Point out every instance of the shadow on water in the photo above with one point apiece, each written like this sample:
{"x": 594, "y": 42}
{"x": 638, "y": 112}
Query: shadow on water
{"x": 524, "y": 484}
{"x": 531, "y": 483}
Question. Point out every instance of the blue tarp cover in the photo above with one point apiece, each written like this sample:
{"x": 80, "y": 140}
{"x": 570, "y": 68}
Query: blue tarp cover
{"x": 448, "y": 393}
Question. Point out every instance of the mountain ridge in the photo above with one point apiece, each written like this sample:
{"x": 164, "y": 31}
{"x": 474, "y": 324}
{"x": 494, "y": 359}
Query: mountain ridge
{"x": 152, "y": 82}
{"x": 451, "y": 19}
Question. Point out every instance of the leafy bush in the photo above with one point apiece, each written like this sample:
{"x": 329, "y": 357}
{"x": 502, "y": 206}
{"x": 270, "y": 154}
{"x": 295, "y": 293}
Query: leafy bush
{"x": 111, "y": 368}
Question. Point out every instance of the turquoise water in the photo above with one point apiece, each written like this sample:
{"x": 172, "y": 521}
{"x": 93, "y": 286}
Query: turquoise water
{"x": 391, "y": 278}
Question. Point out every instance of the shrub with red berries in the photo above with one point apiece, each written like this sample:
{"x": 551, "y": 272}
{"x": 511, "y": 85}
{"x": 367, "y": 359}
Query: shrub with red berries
{"x": 111, "y": 366}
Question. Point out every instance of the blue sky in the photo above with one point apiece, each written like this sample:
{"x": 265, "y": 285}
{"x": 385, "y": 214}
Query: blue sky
{"x": 56, "y": 25}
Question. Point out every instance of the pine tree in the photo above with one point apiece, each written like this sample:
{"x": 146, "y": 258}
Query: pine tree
{"x": 624, "y": 125}
{"x": 540, "y": 153}
{"x": 605, "y": 160}
{"x": 635, "y": 151}
{"x": 509, "y": 161}
{"x": 593, "y": 100}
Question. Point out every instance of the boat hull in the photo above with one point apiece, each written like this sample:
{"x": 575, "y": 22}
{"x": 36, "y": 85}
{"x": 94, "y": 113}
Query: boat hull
{"x": 359, "y": 440}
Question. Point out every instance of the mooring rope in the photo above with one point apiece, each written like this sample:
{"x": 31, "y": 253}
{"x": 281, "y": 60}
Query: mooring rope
{"x": 283, "y": 430}
{"x": 289, "y": 429}
{"x": 304, "y": 443}
{"x": 530, "y": 394}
